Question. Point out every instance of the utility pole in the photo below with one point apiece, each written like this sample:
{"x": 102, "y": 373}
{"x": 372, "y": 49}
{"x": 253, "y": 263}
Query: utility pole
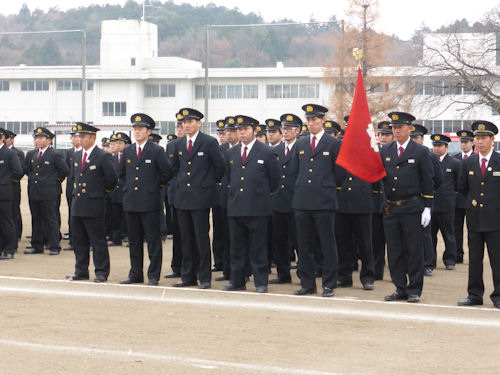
{"x": 341, "y": 73}
{"x": 364, "y": 38}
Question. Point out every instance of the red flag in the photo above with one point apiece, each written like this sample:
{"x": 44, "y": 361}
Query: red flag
{"x": 359, "y": 151}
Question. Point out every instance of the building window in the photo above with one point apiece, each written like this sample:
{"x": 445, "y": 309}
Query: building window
{"x": 228, "y": 92}
{"x": 37, "y": 85}
{"x": 22, "y": 127}
{"x": 4, "y": 85}
{"x": 159, "y": 90}
{"x": 290, "y": 91}
{"x": 166, "y": 127}
{"x": 114, "y": 108}
{"x": 132, "y": 61}
{"x": 73, "y": 85}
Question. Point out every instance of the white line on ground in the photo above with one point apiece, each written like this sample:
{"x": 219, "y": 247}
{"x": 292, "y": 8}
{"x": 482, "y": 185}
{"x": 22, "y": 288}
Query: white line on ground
{"x": 368, "y": 313}
{"x": 190, "y": 361}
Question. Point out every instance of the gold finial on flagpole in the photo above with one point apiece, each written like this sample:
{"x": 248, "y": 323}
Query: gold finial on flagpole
{"x": 358, "y": 56}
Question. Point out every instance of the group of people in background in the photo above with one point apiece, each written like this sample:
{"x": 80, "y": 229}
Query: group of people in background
{"x": 276, "y": 196}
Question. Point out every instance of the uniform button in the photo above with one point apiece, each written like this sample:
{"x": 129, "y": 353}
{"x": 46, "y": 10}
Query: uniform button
{"x": 350, "y": 178}
{"x": 395, "y": 178}
{"x": 284, "y": 166}
{"x": 117, "y": 186}
{"x": 189, "y": 173}
{"x": 38, "y": 166}
{"x": 81, "y": 175}
{"x": 79, "y": 184}
{"x": 78, "y": 195}
{"x": 36, "y": 182}
{"x": 283, "y": 176}
{"x": 84, "y": 191}
{"x": 393, "y": 189}
{"x": 243, "y": 167}
{"x": 36, "y": 174}
{"x": 136, "y": 168}
{"x": 482, "y": 194}
{"x": 137, "y": 178}
{"x": 310, "y": 170}
{"x": 349, "y": 189}
{"x": 136, "y": 188}
{"x": 74, "y": 185}
{"x": 241, "y": 189}
{"x": 481, "y": 205}
{"x": 188, "y": 185}
{"x": 311, "y": 160}
{"x": 482, "y": 183}
{"x": 397, "y": 166}
{"x": 189, "y": 163}
{"x": 242, "y": 178}
{"x": 84, "y": 184}
{"x": 282, "y": 186}
{"x": 308, "y": 181}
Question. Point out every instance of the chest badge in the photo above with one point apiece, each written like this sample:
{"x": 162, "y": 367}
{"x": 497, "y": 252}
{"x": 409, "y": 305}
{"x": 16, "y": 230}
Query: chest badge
{"x": 474, "y": 202}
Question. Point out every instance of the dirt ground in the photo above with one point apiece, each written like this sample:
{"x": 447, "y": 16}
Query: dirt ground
{"x": 51, "y": 326}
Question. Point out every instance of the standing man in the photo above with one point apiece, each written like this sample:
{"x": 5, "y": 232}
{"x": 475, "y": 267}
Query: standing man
{"x": 198, "y": 165}
{"x": 274, "y": 134}
{"x": 332, "y": 128}
{"x": 262, "y": 133}
{"x": 10, "y": 169}
{"x": 253, "y": 177}
{"x": 467, "y": 146}
{"x": 409, "y": 192}
{"x": 45, "y": 169}
{"x": 315, "y": 202}
{"x": 94, "y": 176}
{"x": 144, "y": 170}
{"x": 70, "y": 154}
{"x": 284, "y": 229}
{"x": 480, "y": 183}
{"x": 443, "y": 207}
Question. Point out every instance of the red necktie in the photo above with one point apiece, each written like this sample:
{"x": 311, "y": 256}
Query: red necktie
{"x": 244, "y": 156}
{"x": 465, "y": 155}
{"x": 119, "y": 158}
{"x": 190, "y": 147}
{"x": 84, "y": 159}
{"x": 483, "y": 166}
{"x": 313, "y": 144}
{"x": 139, "y": 152}
{"x": 40, "y": 156}
{"x": 401, "y": 150}
{"x": 287, "y": 151}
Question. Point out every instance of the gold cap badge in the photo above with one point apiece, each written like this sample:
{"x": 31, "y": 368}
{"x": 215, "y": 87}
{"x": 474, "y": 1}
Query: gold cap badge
{"x": 138, "y": 119}
{"x": 259, "y": 128}
{"x": 39, "y": 130}
{"x": 481, "y": 127}
{"x": 309, "y": 108}
{"x": 75, "y": 128}
{"x": 271, "y": 123}
{"x": 185, "y": 112}
{"x": 437, "y": 138}
{"x": 395, "y": 117}
{"x": 464, "y": 134}
{"x": 179, "y": 116}
{"x": 240, "y": 120}
{"x": 328, "y": 124}
{"x": 221, "y": 124}
{"x": 385, "y": 126}
{"x": 289, "y": 118}
{"x": 231, "y": 121}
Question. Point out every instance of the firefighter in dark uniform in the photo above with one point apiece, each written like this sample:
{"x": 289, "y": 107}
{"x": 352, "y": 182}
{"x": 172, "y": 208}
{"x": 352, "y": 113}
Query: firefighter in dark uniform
{"x": 332, "y": 128}
{"x": 443, "y": 206}
{"x": 253, "y": 173}
{"x": 198, "y": 165}
{"x": 262, "y": 133}
{"x": 378, "y": 237}
{"x": 16, "y": 203}
{"x": 285, "y": 232}
{"x": 118, "y": 219}
{"x": 480, "y": 183}
{"x": 409, "y": 192}
{"x": 93, "y": 176}
{"x": 315, "y": 200}
{"x": 417, "y": 135}
{"x": 467, "y": 146}
{"x": 10, "y": 171}
{"x": 145, "y": 170}
{"x": 45, "y": 169}
{"x": 69, "y": 156}
{"x": 156, "y": 138}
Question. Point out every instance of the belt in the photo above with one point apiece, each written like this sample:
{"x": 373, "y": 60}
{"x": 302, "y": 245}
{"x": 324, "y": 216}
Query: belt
{"x": 402, "y": 202}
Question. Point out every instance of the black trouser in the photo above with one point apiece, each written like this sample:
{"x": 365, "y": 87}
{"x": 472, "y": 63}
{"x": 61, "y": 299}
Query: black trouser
{"x": 8, "y": 240}
{"x": 16, "y": 211}
{"x": 218, "y": 237}
{"x": 405, "y": 252}
{"x": 444, "y": 221}
{"x": 284, "y": 232}
{"x": 69, "y": 200}
{"x": 248, "y": 238}
{"x": 89, "y": 231}
{"x": 168, "y": 217}
{"x": 144, "y": 225}
{"x": 429, "y": 253}
{"x": 378, "y": 244}
{"x": 359, "y": 226}
{"x": 271, "y": 256}
{"x": 163, "y": 221}
{"x": 322, "y": 224}
{"x": 176, "y": 262}
{"x": 226, "y": 268}
{"x": 477, "y": 240}
{"x": 195, "y": 244}
{"x": 459, "y": 232}
{"x": 58, "y": 215}
{"x": 44, "y": 225}
{"x": 107, "y": 218}
{"x": 117, "y": 219}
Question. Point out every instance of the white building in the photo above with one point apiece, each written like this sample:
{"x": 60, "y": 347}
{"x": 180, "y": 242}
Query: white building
{"x": 132, "y": 78}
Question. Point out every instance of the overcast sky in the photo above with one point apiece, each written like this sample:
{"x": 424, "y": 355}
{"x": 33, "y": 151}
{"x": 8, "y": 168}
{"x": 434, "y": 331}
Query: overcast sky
{"x": 399, "y": 17}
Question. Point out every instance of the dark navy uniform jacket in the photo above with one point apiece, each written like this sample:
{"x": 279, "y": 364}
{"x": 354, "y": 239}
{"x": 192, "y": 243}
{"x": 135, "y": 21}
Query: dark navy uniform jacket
{"x": 170, "y": 149}
{"x": 482, "y": 193}
{"x": 354, "y": 196}
{"x": 282, "y": 200}
{"x": 143, "y": 177}
{"x": 69, "y": 158}
{"x": 460, "y": 197}
{"x": 408, "y": 177}
{"x": 91, "y": 183}
{"x": 116, "y": 194}
{"x": 44, "y": 177}
{"x": 10, "y": 170}
{"x": 315, "y": 186}
{"x": 445, "y": 195}
{"x": 223, "y": 185}
{"x": 252, "y": 183}
{"x": 197, "y": 173}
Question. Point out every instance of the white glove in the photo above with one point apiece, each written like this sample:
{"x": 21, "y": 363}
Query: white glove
{"x": 426, "y": 217}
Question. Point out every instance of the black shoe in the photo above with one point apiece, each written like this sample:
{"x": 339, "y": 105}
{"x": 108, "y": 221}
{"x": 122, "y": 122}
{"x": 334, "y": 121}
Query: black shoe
{"x": 129, "y": 280}
{"x": 54, "y": 252}
{"x": 413, "y": 298}
{"x": 206, "y": 285}
{"x": 428, "y": 272}
{"x": 172, "y": 275}
{"x": 368, "y": 286}
{"x": 279, "y": 280}
{"x": 69, "y": 248}
{"x": 7, "y": 256}
{"x": 76, "y": 277}
{"x": 344, "y": 284}
{"x": 395, "y": 297}
{"x": 153, "y": 282}
{"x": 100, "y": 279}
{"x": 470, "y": 302}
{"x": 231, "y": 288}
{"x": 33, "y": 251}
{"x": 328, "y": 292}
{"x": 450, "y": 267}
{"x": 216, "y": 269}
{"x": 293, "y": 267}
{"x": 460, "y": 260}
{"x": 496, "y": 304}
{"x": 221, "y": 278}
{"x": 182, "y": 284}
{"x": 261, "y": 289}
{"x": 304, "y": 291}
{"x": 111, "y": 244}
